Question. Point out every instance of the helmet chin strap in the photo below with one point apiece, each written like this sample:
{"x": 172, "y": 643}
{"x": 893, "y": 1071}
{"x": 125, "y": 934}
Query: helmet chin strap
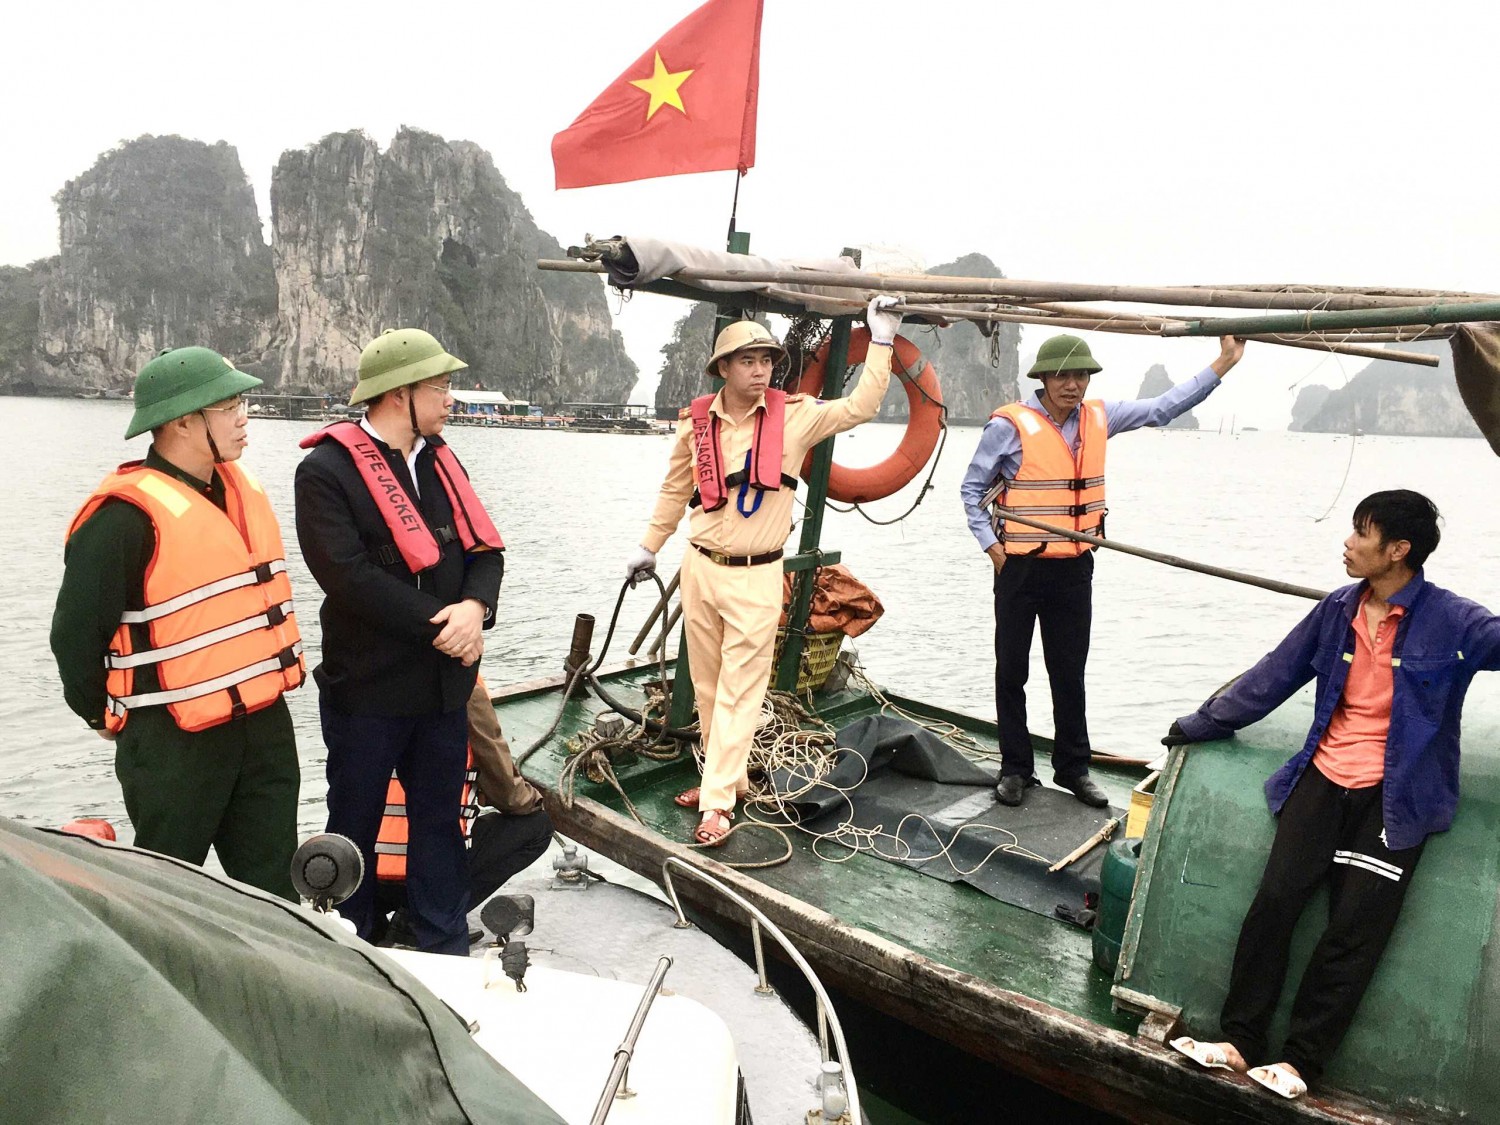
{"x": 411, "y": 410}
{"x": 213, "y": 446}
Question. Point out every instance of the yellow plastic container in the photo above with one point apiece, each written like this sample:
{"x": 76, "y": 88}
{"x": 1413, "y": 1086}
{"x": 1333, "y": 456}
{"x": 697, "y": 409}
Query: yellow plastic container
{"x": 1141, "y": 799}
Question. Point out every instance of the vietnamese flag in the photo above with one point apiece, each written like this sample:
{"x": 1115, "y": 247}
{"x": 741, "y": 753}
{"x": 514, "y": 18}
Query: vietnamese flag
{"x": 686, "y": 105}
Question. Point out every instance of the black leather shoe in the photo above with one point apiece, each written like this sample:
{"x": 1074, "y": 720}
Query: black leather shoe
{"x": 1086, "y": 791}
{"x": 1011, "y": 790}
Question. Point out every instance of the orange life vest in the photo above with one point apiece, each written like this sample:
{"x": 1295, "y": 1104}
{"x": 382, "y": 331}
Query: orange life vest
{"x": 217, "y": 622}
{"x": 1053, "y": 484}
{"x": 393, "y": 837}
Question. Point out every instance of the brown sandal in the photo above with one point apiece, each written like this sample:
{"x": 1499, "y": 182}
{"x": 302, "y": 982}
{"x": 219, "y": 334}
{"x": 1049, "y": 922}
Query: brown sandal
{"x": 688, "y": 799}
{"x": 713, "y": 829}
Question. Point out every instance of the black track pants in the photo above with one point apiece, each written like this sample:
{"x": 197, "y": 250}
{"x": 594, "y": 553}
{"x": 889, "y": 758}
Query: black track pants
{"x": 1324, "y": 832}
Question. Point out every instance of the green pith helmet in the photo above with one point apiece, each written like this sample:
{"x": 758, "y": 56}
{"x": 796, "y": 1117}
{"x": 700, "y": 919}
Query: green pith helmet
{"x": 399, "y": 357}
{"x": 737, "y": 337}
{"x": 181, "y": 380}
{"x": 1063, "y": 353}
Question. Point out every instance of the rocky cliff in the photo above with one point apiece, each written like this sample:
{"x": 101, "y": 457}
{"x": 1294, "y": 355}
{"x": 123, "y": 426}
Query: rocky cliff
{"x": 683, "y": 358}
{"x": 161, "y": 245}
{"x": 976, "y": 373}
{"x": 1157, "y": 381}
{"x": 1391, "y": 398}
{"x": 427, "y": 234}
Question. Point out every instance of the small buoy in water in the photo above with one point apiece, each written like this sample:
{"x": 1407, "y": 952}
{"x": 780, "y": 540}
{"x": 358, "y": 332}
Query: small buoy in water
{"x": 97, "y": 827}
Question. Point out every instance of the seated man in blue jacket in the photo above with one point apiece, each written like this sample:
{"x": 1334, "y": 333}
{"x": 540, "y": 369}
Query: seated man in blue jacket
{"x": 1393, "y": 656}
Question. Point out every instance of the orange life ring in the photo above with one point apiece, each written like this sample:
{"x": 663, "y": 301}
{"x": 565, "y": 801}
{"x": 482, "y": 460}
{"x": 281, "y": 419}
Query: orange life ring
{"x": 924, "y": 400}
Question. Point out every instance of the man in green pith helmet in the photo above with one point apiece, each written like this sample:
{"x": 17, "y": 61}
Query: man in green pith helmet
{"x": 1043, "y": 458}
{"x": 174, "y": 632}
{"x": 410, "y": 565}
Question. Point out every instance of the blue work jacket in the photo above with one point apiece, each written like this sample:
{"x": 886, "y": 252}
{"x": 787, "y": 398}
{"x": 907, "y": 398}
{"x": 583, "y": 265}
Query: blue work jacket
{"x": 1442, "y": 642}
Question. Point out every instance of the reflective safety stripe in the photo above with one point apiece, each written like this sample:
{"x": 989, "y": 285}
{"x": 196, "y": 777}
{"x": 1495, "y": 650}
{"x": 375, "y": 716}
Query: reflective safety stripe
{"x": 390, "y": 849}
{"x": 1063, "y": 509}
{"x": 395, "y": 810}
{"x": 254, "y": 577}
{"x": 227, "y": 632}
{"x": 1369, "y": 863}
{"x": 1070, "y": 483}
{"x": 285, "y": 659}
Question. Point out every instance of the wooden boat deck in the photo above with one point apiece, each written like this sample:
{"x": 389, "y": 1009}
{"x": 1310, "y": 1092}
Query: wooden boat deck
{"x": 1002, "y": 984}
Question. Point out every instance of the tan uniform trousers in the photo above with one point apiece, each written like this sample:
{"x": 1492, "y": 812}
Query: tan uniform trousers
{"x": 730, "y": 615}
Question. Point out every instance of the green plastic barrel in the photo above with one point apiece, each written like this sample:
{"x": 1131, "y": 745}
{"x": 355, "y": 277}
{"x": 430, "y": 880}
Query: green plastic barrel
{"x": 1116, "y": 884}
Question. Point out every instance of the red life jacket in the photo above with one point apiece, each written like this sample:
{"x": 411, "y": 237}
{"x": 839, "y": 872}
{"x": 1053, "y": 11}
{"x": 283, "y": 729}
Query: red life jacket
{"x": 419, "y": 545}
{"x": 392, "y": 840}
{"x": 764, "y": 472}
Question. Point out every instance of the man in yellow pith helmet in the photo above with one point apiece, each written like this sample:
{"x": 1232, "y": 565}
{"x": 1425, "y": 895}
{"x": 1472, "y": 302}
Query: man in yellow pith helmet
{"x": 734, "y": 462}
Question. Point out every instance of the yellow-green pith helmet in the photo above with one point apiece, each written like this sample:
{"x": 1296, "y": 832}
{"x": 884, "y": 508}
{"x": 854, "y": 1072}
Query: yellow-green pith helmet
{"x": 737, "y": 337}
{"x": 1063, "y": 353}
{"x": 179, "y": 381}
{"x": 399, "y": 357}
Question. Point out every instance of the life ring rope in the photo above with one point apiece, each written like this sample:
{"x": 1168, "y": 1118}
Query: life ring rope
{"x": 925, "y": 424}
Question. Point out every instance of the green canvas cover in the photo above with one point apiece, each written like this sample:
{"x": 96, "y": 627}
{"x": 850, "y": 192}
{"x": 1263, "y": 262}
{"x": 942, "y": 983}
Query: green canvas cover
{"x": 140, "y": 989}
{"x": 1423, "y": 1041}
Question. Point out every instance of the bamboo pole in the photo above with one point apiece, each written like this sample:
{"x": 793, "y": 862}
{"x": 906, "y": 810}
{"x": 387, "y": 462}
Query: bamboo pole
{"x": 1139, "y": 326}
{"x": 1323, "y": 321}
{"x": 1370, "y": 290}
{"x": 1013, "y": 288}
{"x": 1087, "y": 846}
{"x": 1271, "y": 584}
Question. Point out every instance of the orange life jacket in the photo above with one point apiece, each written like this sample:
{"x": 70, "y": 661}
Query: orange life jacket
{"x": 392, "y": 839}
{"x": 1053, "y": 484}
{"x": 217, "y": 622}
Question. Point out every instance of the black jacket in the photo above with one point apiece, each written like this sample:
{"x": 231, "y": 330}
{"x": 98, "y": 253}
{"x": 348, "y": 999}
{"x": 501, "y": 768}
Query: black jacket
{"x": 378, "y": 657}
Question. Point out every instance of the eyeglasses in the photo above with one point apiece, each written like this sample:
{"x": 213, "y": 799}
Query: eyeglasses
{"x": 444, "y": 388}
{"x": 236, "y": 406}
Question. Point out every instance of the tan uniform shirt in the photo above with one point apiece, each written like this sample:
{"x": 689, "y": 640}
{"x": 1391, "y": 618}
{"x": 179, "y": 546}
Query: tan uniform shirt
{"x": 808, "y": 422}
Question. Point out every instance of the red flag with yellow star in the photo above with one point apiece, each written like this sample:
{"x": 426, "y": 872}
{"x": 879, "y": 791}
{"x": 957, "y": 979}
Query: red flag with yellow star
{"x": 686, "y": 105}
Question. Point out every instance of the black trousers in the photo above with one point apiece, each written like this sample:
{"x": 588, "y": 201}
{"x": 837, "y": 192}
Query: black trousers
{"x": 1058, "y": 593}
{"x": 1325, "y": 832}
{"x": 427, "y": 752}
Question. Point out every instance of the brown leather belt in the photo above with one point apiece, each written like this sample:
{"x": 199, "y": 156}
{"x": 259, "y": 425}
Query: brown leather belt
{"x": 739, "y": 560}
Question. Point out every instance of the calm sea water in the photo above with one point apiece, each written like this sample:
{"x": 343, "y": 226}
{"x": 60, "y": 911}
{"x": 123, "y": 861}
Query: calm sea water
{"x": 571, "y": 507}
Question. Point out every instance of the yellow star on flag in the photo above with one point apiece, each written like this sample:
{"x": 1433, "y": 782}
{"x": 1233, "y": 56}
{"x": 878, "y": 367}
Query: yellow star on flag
{"x": 663, "y": 86}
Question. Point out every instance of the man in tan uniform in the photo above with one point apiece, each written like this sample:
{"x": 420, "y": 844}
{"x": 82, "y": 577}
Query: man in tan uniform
{"x": 731, "y": 576}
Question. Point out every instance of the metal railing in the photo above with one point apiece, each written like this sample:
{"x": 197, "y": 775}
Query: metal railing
{"x": 827, "y": 1017}
{"x": 619, "y": 1074}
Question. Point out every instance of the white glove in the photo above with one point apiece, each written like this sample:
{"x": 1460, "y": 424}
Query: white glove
{"x": 641, "y": 563}
{"x": 883, "y": 323}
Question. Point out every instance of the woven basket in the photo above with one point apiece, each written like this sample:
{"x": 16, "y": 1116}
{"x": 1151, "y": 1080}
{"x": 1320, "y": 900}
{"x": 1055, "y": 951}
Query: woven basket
{"x": 820, "y": 652}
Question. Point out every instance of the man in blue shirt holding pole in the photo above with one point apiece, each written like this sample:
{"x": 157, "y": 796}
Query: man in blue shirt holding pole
{"x": 1045, "y": 458}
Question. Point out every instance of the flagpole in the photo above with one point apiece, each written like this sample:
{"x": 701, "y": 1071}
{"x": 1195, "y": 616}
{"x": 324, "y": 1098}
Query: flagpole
{"x": 734, "y": 210}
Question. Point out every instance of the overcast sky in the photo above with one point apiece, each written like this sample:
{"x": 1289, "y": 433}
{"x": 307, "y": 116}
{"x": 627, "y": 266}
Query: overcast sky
{"x": 1144, "y": 143}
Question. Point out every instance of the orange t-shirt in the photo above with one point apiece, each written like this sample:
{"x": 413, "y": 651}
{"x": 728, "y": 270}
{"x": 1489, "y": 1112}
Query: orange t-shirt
{"x": 1352, "y": 751}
